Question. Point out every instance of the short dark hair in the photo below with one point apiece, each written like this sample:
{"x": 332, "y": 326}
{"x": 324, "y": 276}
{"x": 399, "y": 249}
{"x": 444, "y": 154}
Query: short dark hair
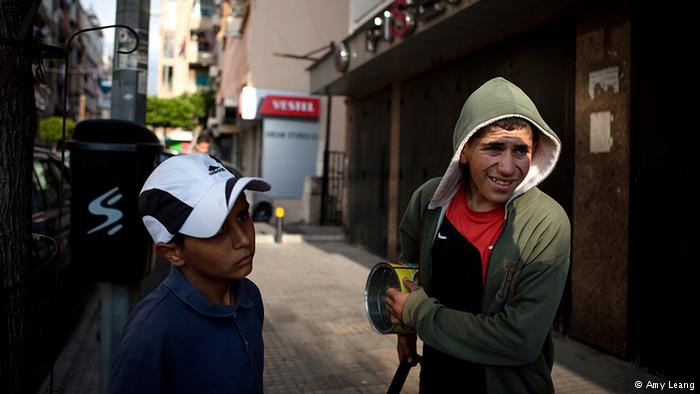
{"x": 204, "y": 138}
{"x": 178, "y": 240}
{"x": 512, "y": 123}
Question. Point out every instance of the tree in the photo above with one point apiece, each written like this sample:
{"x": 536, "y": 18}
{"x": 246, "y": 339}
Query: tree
{"x": 182, "y": 111}
{"x": 17, "y": 131}
{"x": 168, "y": 113}
{"x": 51, "y": 129}
{"x": 206, "y": 101}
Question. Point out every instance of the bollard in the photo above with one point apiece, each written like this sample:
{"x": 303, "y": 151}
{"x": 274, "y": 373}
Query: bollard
{"x": 279, "y": 214}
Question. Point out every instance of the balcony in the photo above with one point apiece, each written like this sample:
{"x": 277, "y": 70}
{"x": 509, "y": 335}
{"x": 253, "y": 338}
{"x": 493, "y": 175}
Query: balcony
{"x": 205, "y": 22}
{"x": 203, "y": 58}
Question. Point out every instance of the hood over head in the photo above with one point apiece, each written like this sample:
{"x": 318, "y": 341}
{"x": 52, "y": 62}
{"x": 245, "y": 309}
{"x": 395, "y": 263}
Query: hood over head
{"x": 495, "y": 100}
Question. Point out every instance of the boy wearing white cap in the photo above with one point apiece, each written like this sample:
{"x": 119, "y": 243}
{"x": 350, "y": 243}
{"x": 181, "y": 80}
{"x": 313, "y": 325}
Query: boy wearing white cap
{"x": 201, "y": 329}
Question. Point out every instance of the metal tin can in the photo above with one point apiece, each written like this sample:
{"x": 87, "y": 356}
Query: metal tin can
{"x": 383, "y": 276}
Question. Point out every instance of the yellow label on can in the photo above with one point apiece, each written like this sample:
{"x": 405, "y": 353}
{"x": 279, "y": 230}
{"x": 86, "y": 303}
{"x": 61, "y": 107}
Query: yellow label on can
{"x": 405, "y": 271}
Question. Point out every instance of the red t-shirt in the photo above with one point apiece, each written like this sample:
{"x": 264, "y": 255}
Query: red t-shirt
{"x": 482, "y": 229}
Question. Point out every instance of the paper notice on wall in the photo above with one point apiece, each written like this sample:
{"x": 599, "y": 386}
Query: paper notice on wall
{"x": 606, "y": 79}
{"x": 601, "y": 140}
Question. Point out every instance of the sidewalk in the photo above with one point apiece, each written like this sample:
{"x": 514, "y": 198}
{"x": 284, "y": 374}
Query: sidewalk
{"x": 317, "y": 339}
{"x": 295, "y": 233}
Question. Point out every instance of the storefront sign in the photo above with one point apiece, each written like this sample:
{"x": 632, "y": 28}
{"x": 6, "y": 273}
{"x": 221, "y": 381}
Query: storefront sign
{"x": 290, "y": 106}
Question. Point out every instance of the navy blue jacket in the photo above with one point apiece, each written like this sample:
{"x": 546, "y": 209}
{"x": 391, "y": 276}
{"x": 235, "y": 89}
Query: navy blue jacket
{"x": 176, "y": 341}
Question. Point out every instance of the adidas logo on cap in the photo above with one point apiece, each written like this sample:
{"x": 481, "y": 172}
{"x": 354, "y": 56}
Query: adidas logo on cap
{"x": 215, "y": 170}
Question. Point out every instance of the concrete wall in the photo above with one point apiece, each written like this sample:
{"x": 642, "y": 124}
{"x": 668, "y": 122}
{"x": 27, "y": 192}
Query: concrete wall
{"x": 294, "y": 27}
{"x": 363, "y": 10}
{"x": 601, "y": 182}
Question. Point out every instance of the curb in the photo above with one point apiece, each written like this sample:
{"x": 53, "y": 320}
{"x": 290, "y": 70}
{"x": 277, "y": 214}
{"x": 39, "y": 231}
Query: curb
{"x": 298, "y": 238}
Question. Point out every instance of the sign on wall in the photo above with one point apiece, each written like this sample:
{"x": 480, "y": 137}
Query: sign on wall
{"x": 290, "y": 106}
{"x": 289, "y": 148}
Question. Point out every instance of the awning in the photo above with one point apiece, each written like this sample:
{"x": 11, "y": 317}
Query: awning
{"x": 461, "y": 28}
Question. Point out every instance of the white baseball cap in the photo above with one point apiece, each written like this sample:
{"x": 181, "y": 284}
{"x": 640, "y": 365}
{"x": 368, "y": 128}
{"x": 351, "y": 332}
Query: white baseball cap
{"x": 191, "y": 195}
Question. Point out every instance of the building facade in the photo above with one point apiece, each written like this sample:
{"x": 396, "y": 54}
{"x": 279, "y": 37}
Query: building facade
{"x": 188, "y": 53}
{"x": 598, "y": 75}
{"x": 56, "y": 21}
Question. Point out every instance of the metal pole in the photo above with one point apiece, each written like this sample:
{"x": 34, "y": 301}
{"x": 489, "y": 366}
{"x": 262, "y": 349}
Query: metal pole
{"x": 105, "y": 355}
{"x": 279, "y": 214}
{"x": 129, "y": 88}
{"x": 278, "y": 230}
{"x": 131, "y": 71}
{"x": 324, "y": 187}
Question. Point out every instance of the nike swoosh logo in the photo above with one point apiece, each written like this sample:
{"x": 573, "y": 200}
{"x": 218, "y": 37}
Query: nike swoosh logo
{"x": 441, "y": 236}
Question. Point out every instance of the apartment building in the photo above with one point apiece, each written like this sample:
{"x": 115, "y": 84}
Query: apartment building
{"x": 56, "y": 21}
{"x": 188, "y": 46}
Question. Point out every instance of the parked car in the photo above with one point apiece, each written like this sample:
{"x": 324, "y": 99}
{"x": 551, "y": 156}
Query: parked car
{"x": 52, "y": 303}
{"x": 46, "y": 170}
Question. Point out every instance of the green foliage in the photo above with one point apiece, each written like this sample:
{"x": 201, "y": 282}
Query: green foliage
{"x": 182, "y": 111}
{"x": 174, "y": 112}
{"x": 197, "y": 101}
{"x": 50, "y": 129}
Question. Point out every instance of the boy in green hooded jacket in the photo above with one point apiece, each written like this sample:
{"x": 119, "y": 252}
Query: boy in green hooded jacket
{"x": 493, "y": 252}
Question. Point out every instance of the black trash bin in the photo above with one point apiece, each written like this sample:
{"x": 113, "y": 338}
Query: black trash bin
{"x": 109, "y": 161}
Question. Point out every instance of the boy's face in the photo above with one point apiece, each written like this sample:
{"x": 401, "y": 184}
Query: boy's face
{"x": 498, "y": 162}
{"x": 201, "y": 147}
{"x": 226, "y": 255}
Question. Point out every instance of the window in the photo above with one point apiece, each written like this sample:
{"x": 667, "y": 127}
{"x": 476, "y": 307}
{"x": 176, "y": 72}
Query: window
{"x": 202, "y": 80}
{"x": 230, "y": 114}
{"x": 207, "y": 8}
{"x": 47, "y": 178}
{"x": 203, "y": 41}
{"x": 168, "y": 77}
{"x": 169, "y": 45}
{"x": 204, "y": 8}
{"x": 38, "y": 203}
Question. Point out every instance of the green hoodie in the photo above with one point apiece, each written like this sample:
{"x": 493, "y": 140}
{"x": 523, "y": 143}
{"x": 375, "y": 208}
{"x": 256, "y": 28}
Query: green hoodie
{"x": 527, "y": 269}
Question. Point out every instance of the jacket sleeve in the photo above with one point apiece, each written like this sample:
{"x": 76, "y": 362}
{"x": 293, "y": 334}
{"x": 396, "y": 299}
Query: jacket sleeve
{"x": 136, "y": 368}
{"x": 410, "y": 230}
{"x": 411, "y": 227}
{"x": 513, "y": 336}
